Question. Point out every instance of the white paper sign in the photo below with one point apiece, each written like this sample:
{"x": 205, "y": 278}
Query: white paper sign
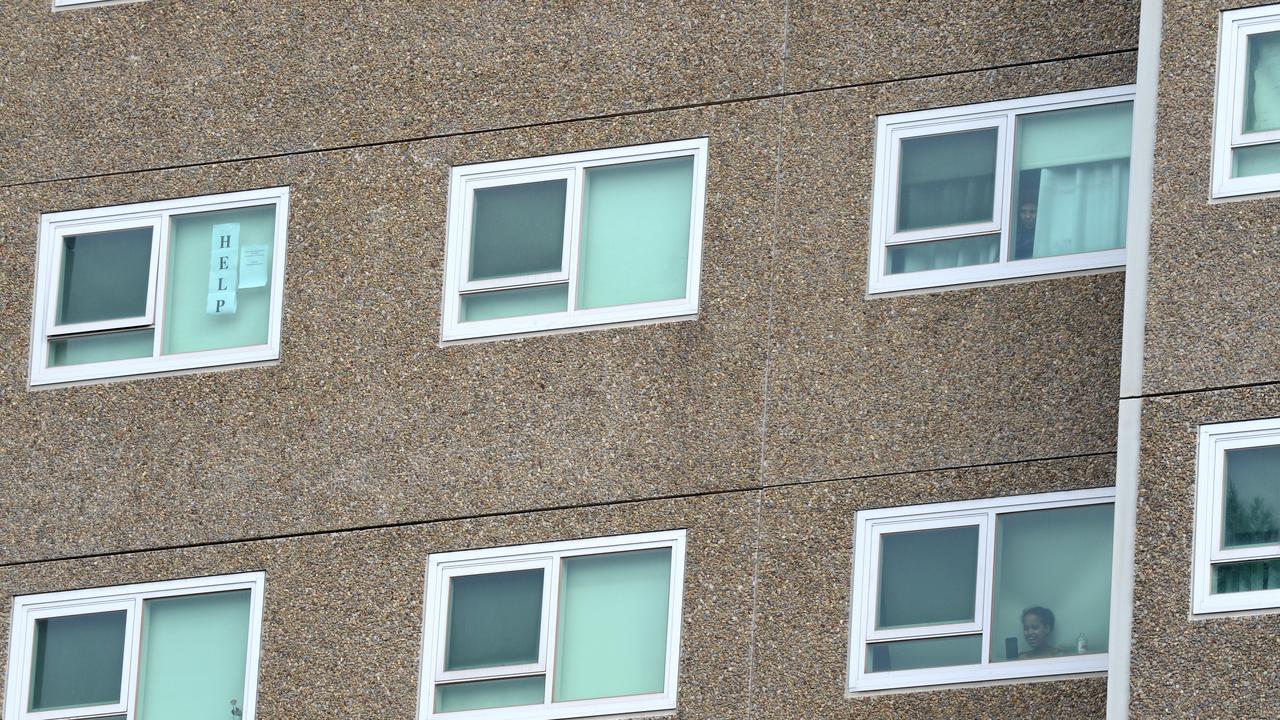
{"x": 224, "y": 256}
{"x": 253, "y": 266}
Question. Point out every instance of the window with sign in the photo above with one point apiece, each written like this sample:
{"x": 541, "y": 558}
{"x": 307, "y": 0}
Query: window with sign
{"x": 156, "y": 287}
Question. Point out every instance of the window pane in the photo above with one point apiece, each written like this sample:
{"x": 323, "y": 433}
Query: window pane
{"x": 515, "y": 302}
{"x": 105, "y": 276}
{"x": 613, "y": 625}
{"x": 1262, "y": 83}
{"x": 635, "y": 233}
{"x": 947, "y": 179}
{"x": 1255, "y": 160}
{"x": 927, "y": 653}
{"x": 494, "y": 619}
{"x": 518, "y": 230}
{"x": 194, "y": 651}
{"x": 491, "y": 694}
{"x": 1072, "y": 181}
{"x": 1058, "y": 564}
{"x": 938, "y": 254}
{"x": 1252, "y": 497}
{"x": 928, "y": 577}
{"x": 101, "y": 348}
{"x": 1246, "y": 576}
{"x": 219, "y": 287}
{"x": 78, "y": 661}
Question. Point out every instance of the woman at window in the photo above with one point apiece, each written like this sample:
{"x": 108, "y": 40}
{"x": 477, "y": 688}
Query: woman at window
{"x": 1037, "y": 628}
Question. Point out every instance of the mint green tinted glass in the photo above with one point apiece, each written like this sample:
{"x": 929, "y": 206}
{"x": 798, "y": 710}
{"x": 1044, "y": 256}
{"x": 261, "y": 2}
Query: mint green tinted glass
{"x": 494, "y": 619}
{"x": 937, "y": 254}
{"x": 483, "y": 694}
{"x": 613, "y": 625}
{"x": 518, "y": 230}
{"x": 105, "y": 276}
{"x": 1246, "y": 576}
{"x": 101, "y": 348}
{"x": 1251, "y": 502}
{"x": 1262, "y": 83}
{"x": 1255, "y": 160}
{"x": 635, "y": 233}
{"x": 927, "y": 577}
{"x": 189, "y": 327}
{"x": 1071, "y": 180}
{"x": 926, "y": 653}
{"x": 516, "y": 302}
{"x": 78, "y": 661}
{"x": 1056, "y": 559}
{"x": 194, "y": 654}
{"x": 947, "y": 179}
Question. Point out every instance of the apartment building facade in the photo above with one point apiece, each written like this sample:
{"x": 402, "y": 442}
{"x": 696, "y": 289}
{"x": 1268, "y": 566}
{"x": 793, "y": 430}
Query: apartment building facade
{"x": 946, "y": 344}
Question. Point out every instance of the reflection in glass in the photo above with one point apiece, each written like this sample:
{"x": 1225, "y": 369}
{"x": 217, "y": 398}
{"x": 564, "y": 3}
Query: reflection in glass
{"x": 927, "y": 577}
{"x": 518, "y": 230}
{"x": 947, "y": 179}
{"x": 494, "y": 619}
{"x": 515, "y": 302}
{"x": 1252, "y": 160}
{"x": 1252, "y": 497}
{"x": 612, "y": 625}
{"x": 635, "y": 232}
{"x": 1071, "y": 178}
{"x": 1262, "y": 83}
{"x": 924, "y": 653}
{"x": 77, "y": 661}
{"x": 1246, "y": 576}
{"x": 939, "y": 254}
{"x": 105, "y": 276}
{"x": 102, "y": 347}
{"x": 1052, "y": 583}
{"x": 484, "y": 694}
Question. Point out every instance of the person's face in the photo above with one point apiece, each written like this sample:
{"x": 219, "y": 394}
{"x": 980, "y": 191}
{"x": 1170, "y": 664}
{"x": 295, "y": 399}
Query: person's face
{"x": 1027, "y": 215}
{"x": 1035, "y": 631}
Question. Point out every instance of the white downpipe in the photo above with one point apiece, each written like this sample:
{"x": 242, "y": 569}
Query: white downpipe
{"x": 1128, "y": 433}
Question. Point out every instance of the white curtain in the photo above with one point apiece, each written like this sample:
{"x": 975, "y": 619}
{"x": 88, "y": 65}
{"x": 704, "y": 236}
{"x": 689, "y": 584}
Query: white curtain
{"x": 1082, "y": 208}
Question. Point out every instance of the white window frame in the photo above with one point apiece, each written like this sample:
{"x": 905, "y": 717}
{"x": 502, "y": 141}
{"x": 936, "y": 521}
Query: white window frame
{"x": 130, "y": 598}
{"x": 69, "y": 4}
{"x": 1002, "y": 116}
{"x": 465, "y": 179}
{"x": 1214, "y": 442}
{"x": 158, "y": 216}
{"x": 1234, "y": 29}
{"x": 871, "y": 524}
{"x": 548, "y": 556}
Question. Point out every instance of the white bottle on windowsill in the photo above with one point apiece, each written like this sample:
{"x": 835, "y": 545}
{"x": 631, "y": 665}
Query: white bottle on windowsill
{"x": 1082, "y": 644}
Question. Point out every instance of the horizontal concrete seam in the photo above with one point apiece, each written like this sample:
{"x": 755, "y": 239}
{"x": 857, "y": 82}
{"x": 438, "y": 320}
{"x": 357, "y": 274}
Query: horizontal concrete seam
{"x": 564, "y": 121}
{"x": 946, "y": 468}
{"x": 528, "y": 511}
{"x": 1207, "y": 389}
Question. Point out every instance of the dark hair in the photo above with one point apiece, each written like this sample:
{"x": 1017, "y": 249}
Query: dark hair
{"x": 1044, "y": 613}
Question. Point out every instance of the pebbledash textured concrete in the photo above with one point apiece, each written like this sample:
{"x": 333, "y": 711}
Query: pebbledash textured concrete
{"x": 762, "y": 426}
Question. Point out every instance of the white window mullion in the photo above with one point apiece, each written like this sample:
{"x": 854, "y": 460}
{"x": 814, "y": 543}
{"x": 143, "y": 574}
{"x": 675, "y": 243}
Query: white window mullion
{"x": 551, "y": 625}
{"x": 986, "y": 583}
{"x": 162, "y": 278}
{"x": 573, "y": 232}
